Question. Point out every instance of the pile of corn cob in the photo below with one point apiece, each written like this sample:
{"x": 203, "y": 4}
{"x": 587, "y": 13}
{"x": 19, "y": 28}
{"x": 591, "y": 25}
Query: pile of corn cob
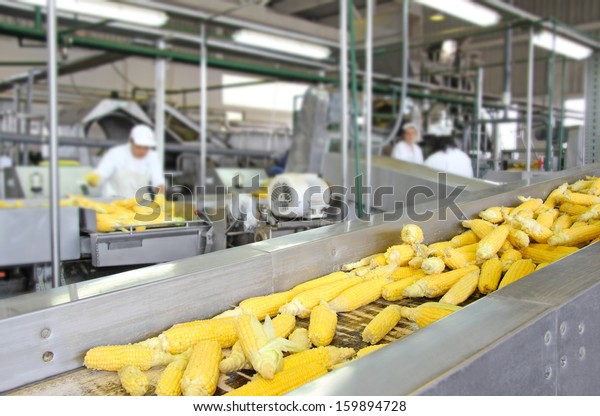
{"x": 501, "y": 246}
{"x": 118, "y": 215}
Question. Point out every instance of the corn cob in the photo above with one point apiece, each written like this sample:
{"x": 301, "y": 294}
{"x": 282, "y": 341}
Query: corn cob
{"x": 404, "y": 272}
{"x": 300, "y": 337}
{"x": 593, "y": 213}
{"x": 368, "y": 350}
{"x": 581, "y": 199}
{"x": 534, "y": 230}
{"x": 322, "y": 325}
{"x": 202, "y": 372}
{"x": 547, "y": 218}
{"x": 461, "y": 290}
{"x": 421, "y": 250}
{"x": 509, "y": 257}
{"x": 544, "y": 253}
{"x": 572, "y": 209}
{"x": 283, "y": 325}
{"x": 577, "y": 224}
{"x": 379, "y": 272}
{"x": 395, "y": 290}
{"x": 492, "y": 242}
{"x": 553, "y": 198}
{"x": 466, "y": 238}
{"x": 411, "y": 234}
{"x": 470, "y": 257}
{"x": 399, "y": 254}
{"x": 527, "y": 204}
{"x": 169, "y": 382}
{"x": 580, "y": 185}
{"x": 359, "y": 295}
{"x": 433, "y": 265}
{"x": 493, "y": 215}
{"x": 378, "y": 261}
{"x": 541, "y": 266}
{"x": 562, "y": 222}
{"x": 428, "y": 312}
{"x": 481, "y": 228}
{"x": 594, "y": 188}
{"x": 360, "y": 271}
{"x": 114, "y": 357}
{"x": 518, "y": 238}
{"x": 381, "y": 324}
{"x": 283, "y": 382}
{"x": 438, "y": 247}
{"x": 365, "y": 261}
{"x": 436, "y": 285}
{"x": 470, "y": 248}
{"x": 133, "y": 380}
{"x": 180, "y": 337}
{"x": 416, "y": 262}
{"x": 574, "y": 236}
{"x": 319, "y": 281}
{"x": 260, "y": 306}
{"x": 303, "y": 302}
{"x": 454, "y": 259}
{"x": 595, "y": 240}
{"x": 517, "y": 270}
{"x": 489, "y": 278}
{"x": 328, "y": 357}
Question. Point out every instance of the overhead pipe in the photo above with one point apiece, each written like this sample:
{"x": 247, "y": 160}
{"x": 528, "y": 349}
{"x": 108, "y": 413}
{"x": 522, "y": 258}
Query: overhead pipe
{"x": 344, "y": 94}
{"x": 203, "y": 106}
{"x": 563, "y": 97}
{"x": 354, "y": 82}
{"x": 548, "y": 162}
{"x": 159, "y": 103}
{"x": 368, "y": 103}
{"x": 530, "y": 86}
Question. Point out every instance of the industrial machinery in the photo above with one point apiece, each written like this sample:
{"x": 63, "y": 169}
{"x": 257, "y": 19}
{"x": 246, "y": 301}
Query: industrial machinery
{"x": 536, "y": 336}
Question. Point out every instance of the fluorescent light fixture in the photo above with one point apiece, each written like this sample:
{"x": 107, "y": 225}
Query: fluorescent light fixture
{"x": 278, "y": 43}
{"x": 465, "y": 10}
{"x": 437, "y": 17}
{"x": 575, "y": 104}
{"x": 108, "y": 10}
{"x": 565, "y": 47}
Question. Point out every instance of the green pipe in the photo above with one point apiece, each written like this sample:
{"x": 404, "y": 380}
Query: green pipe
{"x": 561, "y": 131}
{"x": 23, "y": 63}
{"x": 354, "y": 82}
{"x": 38, "y": 18}
{"x": 548, "y": 158}
{"x": 134, "y": 90}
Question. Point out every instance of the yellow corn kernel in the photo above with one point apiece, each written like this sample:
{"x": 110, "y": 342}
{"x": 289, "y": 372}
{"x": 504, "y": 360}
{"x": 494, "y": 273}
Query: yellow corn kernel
{"x": 573, "y": 209}
{"x": 399, "y": 254}
{"x": 492, "y": 242}
{"x": 428, "y": 312}
{"x": 489, "y": 278}
{"x": 319, "y": 281}
{"x": 433, "y": 265}
{"x": 594, "y": 188}
{"x": 527, "y": 204}
{"x": 509, "y": 257}
{"x": 404, "y": 272}
{"x": 303, "y": 302}
{"x": 283, "y": 382}
{"x": 465, "y": 239}
{"x": 411, "y": 234}
{"x": 581, "y": 185}
{"x": 283, "y": 325}
{"x": 169, "y": 382}
{"x": 328, "y": 357}
{"x": 562, "y": 222}
{"x": 470, "y": 248}
{"x": 236, "y": 360}
{"x": 481, "y": 228}
{"x": 262, "y": 306}
{"x": 581, "y": 198}
{"x": 114, "y": 357}
{"x": 359, "y": 295}
{"x": 436, "y": 248}
{"x": 379, "y": 272}
{"x": 322, "y": 325}
{"x": 416, "y": 262}
{"x": 133, "y": 380}
{"x": 493, "y": 215}
{"x": 202, "y": 372}
{"x": 421, "y": 250}
{"x": 534, "y": 229}
{"x": 368, "y": 350}
{"x": 454, "y": 259}
{"x": 519, "y": 239}
{"x": 360, "y": 271}
{"x": 470, "y": 257}
{"x": 461, "y": 290}
{"x": 544, "y": 253}
{"x": 300, "y": 337}
{"x": 541, "y": 266}
{"x": 517, "y": 270}
{"x": 183, "y": 336}
{"x": 394, "y": 291}
{"x": 547, "y": 218}
{"x": 574, "y": 236}
{"x": 378, "y": 261}
{"x": 365, "y": 261}
{"x": 593, "y": 213}
{"x": 436, "y": 285}
{"x": 555, "y": 196}
{"x": 578, "y": 224}
{"x": 381, "y": 324}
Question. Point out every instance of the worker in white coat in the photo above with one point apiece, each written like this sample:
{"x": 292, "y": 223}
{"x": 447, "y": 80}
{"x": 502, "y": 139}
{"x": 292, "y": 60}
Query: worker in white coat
{"x": 408, "y": 149}
{"x": 447, "y": 157}
{"x": 126, "y": 168}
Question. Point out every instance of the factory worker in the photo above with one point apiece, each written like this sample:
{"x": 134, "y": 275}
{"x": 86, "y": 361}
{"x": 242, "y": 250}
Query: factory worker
{"x": 125, "y": 169}
{"x": 408, "y": 149}
{"x": 447, "y": 157}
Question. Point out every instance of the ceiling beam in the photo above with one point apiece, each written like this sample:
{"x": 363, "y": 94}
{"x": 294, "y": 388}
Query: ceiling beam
{"x": 295, "y": 6}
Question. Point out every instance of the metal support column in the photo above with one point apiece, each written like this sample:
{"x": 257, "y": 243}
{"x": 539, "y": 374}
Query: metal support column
{"x": 159, "y": 104}
{"x": 368, "y": 102}
{"x": 203, "y": 105}
{"x": 529, "y": 128}
{"x": 344, "y": 92}
{"x": 53, "y": 119}
{"x": 561, "y": 123}
{"x": 478, "y": 106}
{"x": 405, "y": 61}
{"x": 592, "y": 109}
{"x": 548, "y": 162}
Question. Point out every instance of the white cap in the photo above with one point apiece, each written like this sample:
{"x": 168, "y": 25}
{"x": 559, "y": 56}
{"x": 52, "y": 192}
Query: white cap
{"x": 410, "y": 126}
{"x": 142, "y": 135}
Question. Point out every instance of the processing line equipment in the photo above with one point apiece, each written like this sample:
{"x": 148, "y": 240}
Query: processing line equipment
{"x": 537, "y": 336}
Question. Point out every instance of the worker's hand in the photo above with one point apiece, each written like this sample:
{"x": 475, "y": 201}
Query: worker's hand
{"x": 92, "y": 178}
